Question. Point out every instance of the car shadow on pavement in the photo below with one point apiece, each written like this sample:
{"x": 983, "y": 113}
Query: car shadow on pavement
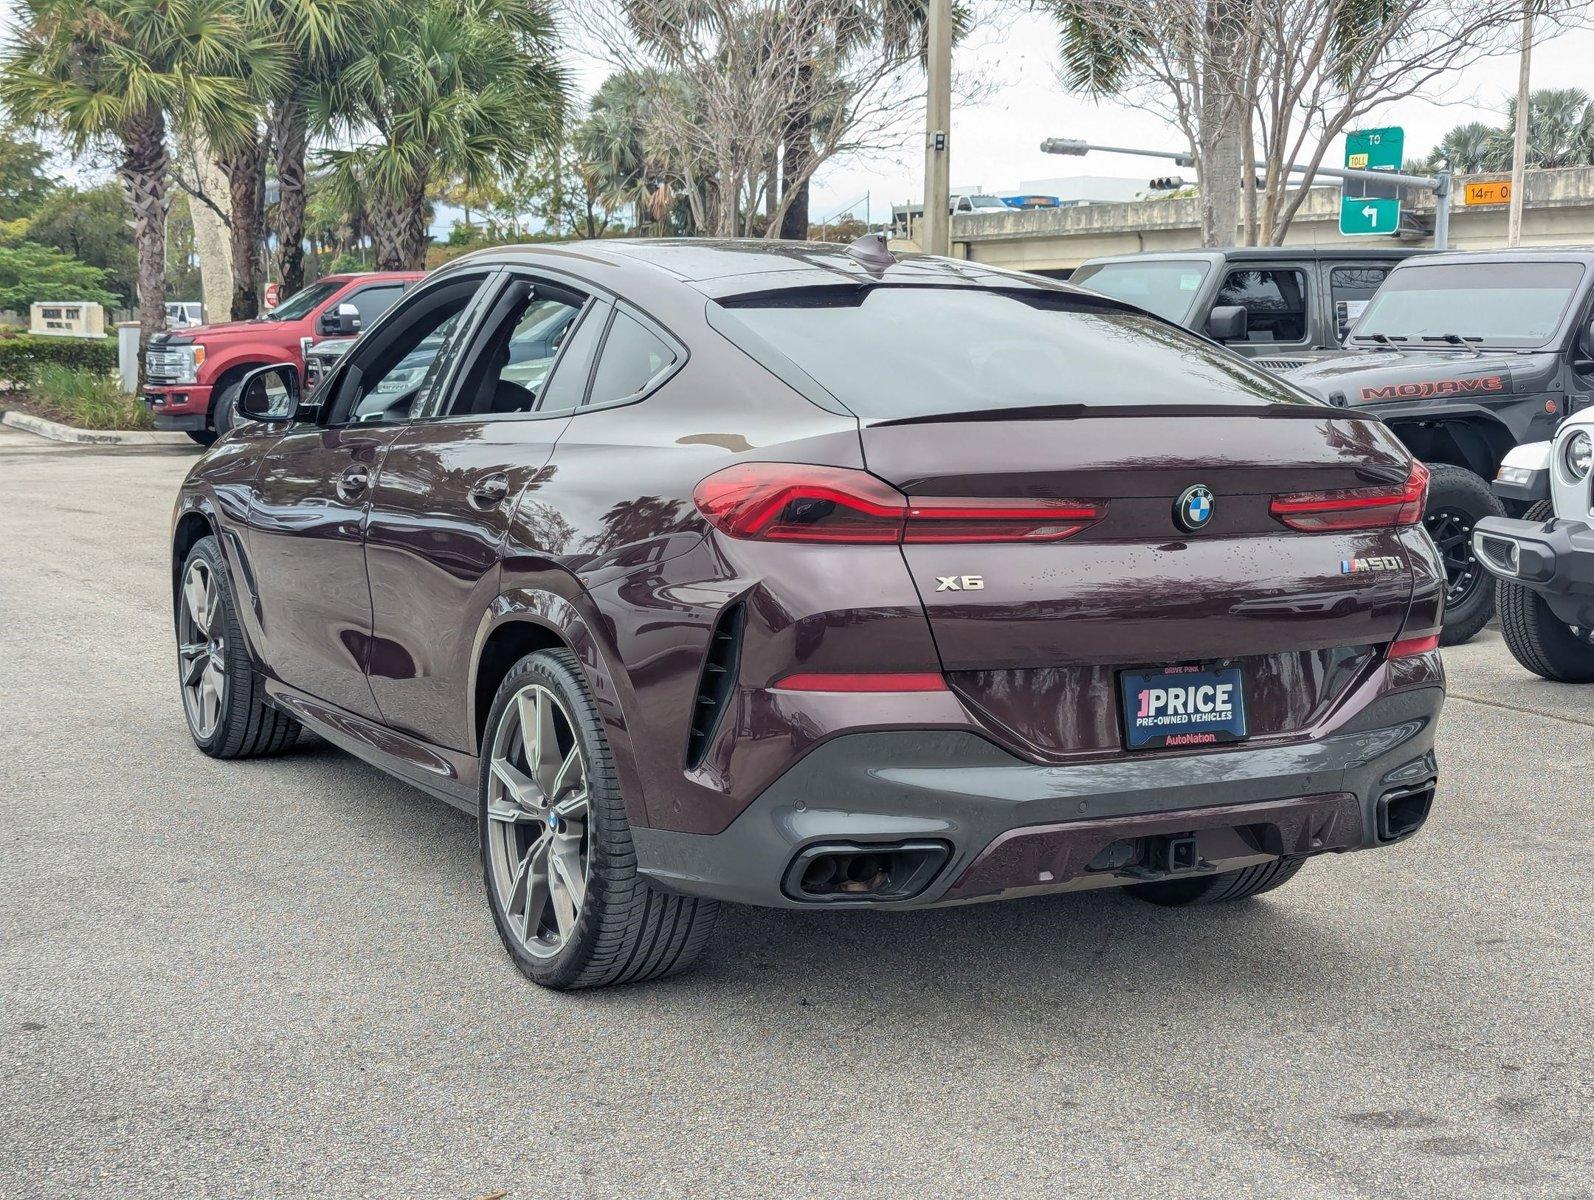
{"x": 1067, "y": 952}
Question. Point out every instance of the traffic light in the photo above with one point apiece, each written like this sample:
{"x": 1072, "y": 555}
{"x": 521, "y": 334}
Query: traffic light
{"x": 1168, "y": 183}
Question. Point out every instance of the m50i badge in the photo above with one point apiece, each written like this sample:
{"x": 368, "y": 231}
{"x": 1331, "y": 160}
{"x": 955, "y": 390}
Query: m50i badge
{"x": 1354, "y": 566}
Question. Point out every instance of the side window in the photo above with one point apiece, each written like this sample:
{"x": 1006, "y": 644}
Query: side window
{"x": 1350, "y": 288}
{"x": 516, "y": 350}
{"x": 1274, "y": 300}
{"x": 567, "y": 387}
{"x": 633, "y": 357}
{"x": 372, "y": 302}
{"x": 390, "y": 377}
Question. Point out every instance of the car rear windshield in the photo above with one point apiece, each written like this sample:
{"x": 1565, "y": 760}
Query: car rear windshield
{"x": 1165, "y": 288}
{"x": 894, "y": 352}
{"x": 1512, "y": 305}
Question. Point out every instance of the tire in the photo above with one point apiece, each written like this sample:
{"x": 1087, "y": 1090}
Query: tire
{"x": 1456, "y": 500}
{"x": 205, "y": 437}
{"x": 1221, "y": 888}
{"x": 538, "y": 832}
{"x": 224, "y": 412}
{"x": 1536, "y": 637}
{"x": 211, "y": 649}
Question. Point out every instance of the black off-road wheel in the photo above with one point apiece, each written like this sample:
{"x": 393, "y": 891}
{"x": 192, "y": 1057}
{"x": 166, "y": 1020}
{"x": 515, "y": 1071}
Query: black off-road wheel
{"x": 1457, "y": 499}
{"x": 1219, "y": 888}
{"x": 205, "y": 437}
{"x": 557, "y": 858}
{"x": 1536, "y": 637}
{"x": 224, "y": 697}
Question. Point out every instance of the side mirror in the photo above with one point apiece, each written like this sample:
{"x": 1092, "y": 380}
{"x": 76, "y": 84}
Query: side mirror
{"x": 269, "y": 393}
{"x": 1229, "y": 323}
{"x": 342, "y": 321}
{"x": 1585, "y": 341}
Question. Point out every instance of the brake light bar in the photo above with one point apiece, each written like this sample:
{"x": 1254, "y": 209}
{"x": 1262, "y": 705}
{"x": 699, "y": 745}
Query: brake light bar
{"x": 961, "y": 520}
{"x": 797, "y": 502}
{"x": 1356, "y": 508}
{"x": 889, "y": 681}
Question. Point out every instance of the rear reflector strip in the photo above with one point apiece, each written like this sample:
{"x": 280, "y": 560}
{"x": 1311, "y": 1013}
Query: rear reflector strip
{"x": 907, "y": 681}
{"x": 1410, "y": 647}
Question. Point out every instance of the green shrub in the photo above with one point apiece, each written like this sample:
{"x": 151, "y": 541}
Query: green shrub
{"x": 22, "y": 354}
{"x": 87, "y": 399}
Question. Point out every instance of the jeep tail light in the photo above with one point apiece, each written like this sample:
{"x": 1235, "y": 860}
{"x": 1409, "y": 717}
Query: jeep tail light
{"x": 1356, "y": 508}
{"x": 796, "y": 502}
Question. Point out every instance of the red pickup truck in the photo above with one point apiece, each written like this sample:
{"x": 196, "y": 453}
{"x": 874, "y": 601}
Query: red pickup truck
{"x": 190, "y": 375}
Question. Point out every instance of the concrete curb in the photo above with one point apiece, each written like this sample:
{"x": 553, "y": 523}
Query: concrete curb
{"x": 95, "y": 437}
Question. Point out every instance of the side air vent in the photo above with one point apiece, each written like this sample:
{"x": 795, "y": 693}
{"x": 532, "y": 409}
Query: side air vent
{"x": 715, "y": 685}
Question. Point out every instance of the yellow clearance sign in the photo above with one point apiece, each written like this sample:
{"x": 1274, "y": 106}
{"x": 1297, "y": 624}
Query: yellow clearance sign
{"x": 1494, "y": 191}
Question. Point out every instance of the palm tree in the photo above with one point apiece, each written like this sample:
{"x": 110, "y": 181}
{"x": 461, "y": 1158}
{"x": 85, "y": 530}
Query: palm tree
{"x": 114, "y": 72}
{"x": 1557, "y": 121}
{"x": 318, "y": 37}
{"x": 1472, "y": 148}
{"x": 437, "y": 90}
{"x": 1560, "y": 134}
{"x": 891, "y": 28}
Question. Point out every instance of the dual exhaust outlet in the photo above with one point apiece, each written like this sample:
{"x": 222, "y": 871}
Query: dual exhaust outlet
{"x": 842, "y": 872}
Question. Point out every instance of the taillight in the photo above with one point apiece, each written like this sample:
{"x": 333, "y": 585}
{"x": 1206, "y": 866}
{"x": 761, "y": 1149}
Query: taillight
{"x": 794, "y": 502}
{"x": 789, "y": 502}
{"x": 1356, "y": 508}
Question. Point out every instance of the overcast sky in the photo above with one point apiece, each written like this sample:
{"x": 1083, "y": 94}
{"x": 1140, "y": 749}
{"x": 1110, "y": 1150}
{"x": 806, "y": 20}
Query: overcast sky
{"x": 995, "y": 144}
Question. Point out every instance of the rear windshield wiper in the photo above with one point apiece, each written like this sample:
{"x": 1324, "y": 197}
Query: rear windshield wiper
{"x": 1455, "y": 339}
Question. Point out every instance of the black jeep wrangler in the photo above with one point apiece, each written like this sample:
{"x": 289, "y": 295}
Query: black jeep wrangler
{"x": 1464, "y": 356}
{"x": 1273, "y": 304}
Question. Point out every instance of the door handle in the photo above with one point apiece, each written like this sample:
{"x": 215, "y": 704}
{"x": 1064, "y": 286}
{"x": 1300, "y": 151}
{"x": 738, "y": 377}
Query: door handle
{"x": 352, "y": 482}
{"x": 489, "y": 491}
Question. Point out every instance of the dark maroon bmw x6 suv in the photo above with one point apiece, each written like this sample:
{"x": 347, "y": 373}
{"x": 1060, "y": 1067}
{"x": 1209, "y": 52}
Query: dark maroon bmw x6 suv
{"x": 808, "y": 576}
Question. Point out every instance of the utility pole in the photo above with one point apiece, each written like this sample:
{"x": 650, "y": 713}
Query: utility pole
{"x": 1519, "y": 143}
{"x": 935, "y": 228}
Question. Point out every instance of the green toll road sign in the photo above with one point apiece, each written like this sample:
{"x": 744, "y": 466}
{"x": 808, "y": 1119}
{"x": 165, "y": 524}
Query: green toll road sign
{"x": 1368, "y": 208}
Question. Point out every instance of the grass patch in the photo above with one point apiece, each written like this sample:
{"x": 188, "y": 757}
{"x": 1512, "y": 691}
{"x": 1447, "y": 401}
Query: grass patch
{"x": 85, "y": 399}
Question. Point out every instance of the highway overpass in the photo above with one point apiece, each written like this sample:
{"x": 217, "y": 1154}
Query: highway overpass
{"x": 1560, "y": 211}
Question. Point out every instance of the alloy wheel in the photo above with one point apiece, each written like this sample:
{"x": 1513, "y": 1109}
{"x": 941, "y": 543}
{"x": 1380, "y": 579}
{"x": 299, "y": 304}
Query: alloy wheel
{"x": 1451, "y": 531}
{"x": 538, "y": 813}
{"x": 202, "y": 650}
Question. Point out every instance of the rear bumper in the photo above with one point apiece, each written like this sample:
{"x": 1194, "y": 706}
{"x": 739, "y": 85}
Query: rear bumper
{"x": 1012, "y": 827}
{"x": 179, "y": 406}
{"x": 1553, "y": 558}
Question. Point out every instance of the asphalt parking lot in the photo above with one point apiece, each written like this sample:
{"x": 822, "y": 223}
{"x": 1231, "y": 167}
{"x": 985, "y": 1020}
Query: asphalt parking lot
{"x": 279, "y": 978}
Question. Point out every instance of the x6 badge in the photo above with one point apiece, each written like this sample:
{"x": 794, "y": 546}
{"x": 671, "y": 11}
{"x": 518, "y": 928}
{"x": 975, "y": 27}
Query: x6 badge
{"x": 959, "y": 583}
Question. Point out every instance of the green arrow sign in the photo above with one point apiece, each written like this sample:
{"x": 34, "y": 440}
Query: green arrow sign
{"x": 1368, "y": 208}
{"x": 1361, "y": 217}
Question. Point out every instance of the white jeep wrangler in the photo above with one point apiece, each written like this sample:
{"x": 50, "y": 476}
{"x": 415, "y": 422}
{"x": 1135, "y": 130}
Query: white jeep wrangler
{"x": 1545, "y": 562}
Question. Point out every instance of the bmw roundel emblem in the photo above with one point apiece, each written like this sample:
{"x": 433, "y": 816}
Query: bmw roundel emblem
{"x": 1193, "y": 509}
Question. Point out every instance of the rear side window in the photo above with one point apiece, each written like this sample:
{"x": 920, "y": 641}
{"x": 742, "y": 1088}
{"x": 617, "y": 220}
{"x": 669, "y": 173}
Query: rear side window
{"x": 1350, "y": 288}
{"x": 374, "y": 301}
{"x": 1274, "y": 300}
{"x": 897, "y": 352}
{"x": 633, "y": 357}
